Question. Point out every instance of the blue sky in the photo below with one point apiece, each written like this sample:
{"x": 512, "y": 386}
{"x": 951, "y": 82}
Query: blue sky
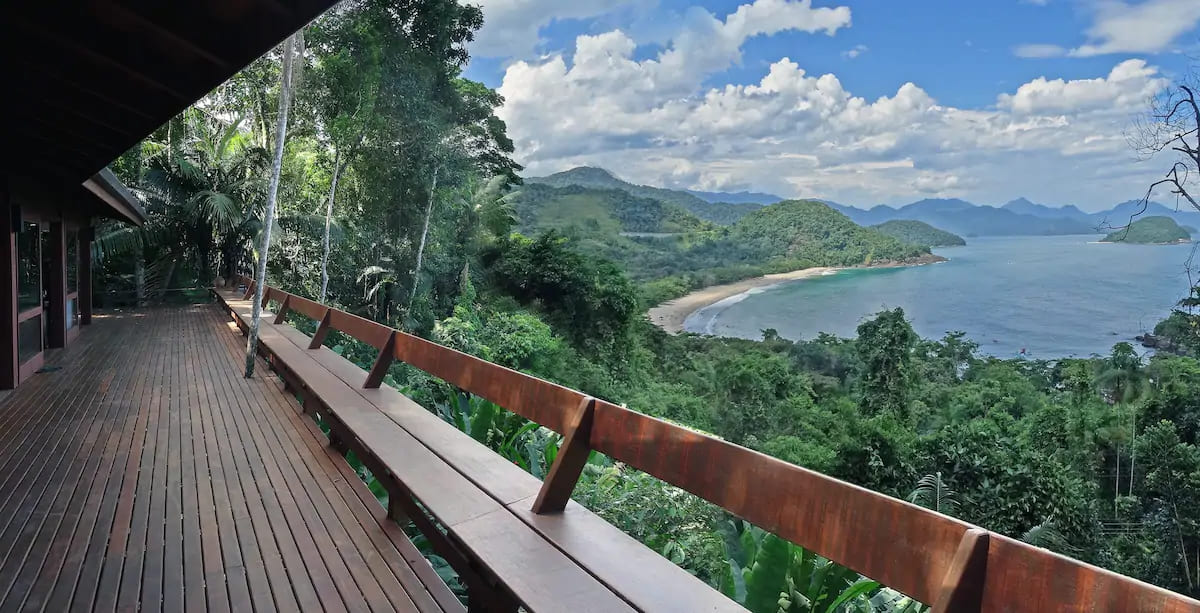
{"x": 860, "y": 102}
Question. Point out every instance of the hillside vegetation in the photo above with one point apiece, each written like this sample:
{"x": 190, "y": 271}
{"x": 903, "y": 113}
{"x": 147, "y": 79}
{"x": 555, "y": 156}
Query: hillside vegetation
{"x": 599, "y": 211}
{"x": 723, "y": 213}
{"x": 1150, "y": 231}
{"x": 918, "y": 233}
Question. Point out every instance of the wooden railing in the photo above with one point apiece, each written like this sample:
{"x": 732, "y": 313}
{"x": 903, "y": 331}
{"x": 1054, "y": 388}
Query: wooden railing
{"x": 936, "y": 559}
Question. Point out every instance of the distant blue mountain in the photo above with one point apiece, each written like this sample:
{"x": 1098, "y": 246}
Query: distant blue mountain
{"x": 1014, "y": 218}
{"x": 1022, "y": 206}
{"x": 736, "y": 197}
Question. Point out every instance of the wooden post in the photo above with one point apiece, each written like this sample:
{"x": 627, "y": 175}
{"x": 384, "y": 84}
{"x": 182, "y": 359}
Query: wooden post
{"x": 318, "y": 338}
{"x": 56, "y": 287}
{"x": 283, "y": 310}
{"x": 380, "y": 368}
{"x": 85, "y": 275}
{"x": 568, "y": 464}
{"x": 962, "y": 589}
{"x": 10, "y": 224}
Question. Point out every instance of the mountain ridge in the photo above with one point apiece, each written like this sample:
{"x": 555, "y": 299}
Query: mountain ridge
{"x": 1017, "y": 217}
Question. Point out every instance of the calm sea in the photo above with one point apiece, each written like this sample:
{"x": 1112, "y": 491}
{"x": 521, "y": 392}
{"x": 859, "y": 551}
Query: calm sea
{"x": 1053, "y": 296}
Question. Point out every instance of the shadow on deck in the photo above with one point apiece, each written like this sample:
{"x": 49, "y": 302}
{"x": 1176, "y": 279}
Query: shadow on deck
{"x": 147, "y": 473}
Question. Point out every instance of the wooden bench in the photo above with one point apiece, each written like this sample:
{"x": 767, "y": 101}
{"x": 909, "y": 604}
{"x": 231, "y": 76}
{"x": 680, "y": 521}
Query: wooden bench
{"x": 936, "y": 559}
{"x": 505, "y": 552}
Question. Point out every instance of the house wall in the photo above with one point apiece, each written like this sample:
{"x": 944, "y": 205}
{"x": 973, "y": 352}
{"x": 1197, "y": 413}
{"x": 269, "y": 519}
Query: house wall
{"x": 50, "y": 228}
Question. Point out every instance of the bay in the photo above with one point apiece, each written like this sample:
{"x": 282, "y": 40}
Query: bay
{"x": 1053, "y": 296}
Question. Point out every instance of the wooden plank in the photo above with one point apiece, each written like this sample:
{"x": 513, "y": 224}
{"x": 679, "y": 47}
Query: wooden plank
{"x": 609, "y": 554}
{"x": 285, "y": 562}
{"x": 77, "y": 518}
{"x": 43, "y": 516}
{"x": 356, "y": 550}
{"x": 803, "y": 506}
{"x": 538, "y": 574}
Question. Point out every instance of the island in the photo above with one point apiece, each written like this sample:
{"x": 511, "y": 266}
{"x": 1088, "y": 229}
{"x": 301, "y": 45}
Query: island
{"x": 918, "y": 233}
{"x": 1150, "y": 231}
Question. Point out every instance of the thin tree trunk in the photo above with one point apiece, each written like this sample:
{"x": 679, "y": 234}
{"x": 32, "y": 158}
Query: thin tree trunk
{"x": 1132, "y": 451}
{"x": 337, "y": 173}
{"x": 1117, "y": 479}
{"x": 285, "y": 86}
{"x": 424, "y": 236}
{"x": 166, "y": 284}
{"x": 337, "y": 170}
{"x": 1187, "y": 572}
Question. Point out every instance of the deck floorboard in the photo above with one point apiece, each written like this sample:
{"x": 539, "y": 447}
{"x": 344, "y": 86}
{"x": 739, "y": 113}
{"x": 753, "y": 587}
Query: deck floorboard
{"x": 146, "y": 474}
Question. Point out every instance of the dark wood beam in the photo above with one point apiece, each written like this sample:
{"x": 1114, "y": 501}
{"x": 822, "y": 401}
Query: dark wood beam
{"x": 118, "y": 14}
{"x": 97, "y": 58}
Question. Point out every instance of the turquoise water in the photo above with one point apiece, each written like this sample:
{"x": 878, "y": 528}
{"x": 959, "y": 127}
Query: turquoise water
{"x": 1054, "y": 296}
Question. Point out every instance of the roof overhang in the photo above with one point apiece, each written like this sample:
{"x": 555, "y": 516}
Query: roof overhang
{"x": 91, "y": 78}
{"x": 113, "y": 193}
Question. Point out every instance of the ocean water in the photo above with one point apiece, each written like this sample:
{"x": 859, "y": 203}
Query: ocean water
{"x": 1052, "y": 296}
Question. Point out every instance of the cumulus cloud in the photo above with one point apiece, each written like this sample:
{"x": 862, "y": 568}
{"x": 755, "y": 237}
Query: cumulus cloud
{"x": 1119, "y": 26}
{"x": 1127, "y": 86}
{"x": 653, "y": 121}
{"x": 511, "y": 27}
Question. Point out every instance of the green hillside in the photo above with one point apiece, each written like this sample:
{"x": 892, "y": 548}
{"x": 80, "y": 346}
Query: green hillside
{"x": 918, "y": 233}
{"x": 598, "y": 211}
{"x": 723, "y": 213}
{"x": 811, "y": 231}
{"x": 1150, "y": 231}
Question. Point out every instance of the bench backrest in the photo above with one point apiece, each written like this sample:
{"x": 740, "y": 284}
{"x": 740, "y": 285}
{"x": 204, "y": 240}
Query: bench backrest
{"x": 931, "y": 557}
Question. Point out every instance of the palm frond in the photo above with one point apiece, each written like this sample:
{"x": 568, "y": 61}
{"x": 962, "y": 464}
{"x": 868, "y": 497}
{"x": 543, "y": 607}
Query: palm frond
{"x": 933, "y": 493}
{"x": 1048, "y": 536}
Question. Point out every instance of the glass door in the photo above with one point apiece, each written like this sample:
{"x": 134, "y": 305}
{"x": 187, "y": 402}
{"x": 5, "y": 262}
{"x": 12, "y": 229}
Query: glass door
{"x": 30, "y": 312}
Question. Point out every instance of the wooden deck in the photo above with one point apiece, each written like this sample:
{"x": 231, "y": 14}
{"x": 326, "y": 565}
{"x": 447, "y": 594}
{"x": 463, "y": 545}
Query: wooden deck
{"x": 147, "y": 474}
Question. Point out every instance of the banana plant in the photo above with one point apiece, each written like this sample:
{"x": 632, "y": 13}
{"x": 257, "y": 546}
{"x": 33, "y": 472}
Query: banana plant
{"x": 768, "y": 574}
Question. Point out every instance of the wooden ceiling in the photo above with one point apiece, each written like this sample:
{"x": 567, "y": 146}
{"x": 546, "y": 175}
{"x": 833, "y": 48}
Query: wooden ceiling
{"x": 87, "y": 79}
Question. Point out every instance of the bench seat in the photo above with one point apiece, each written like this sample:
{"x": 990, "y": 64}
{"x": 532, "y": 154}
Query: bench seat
{"x": 452, "y": 475}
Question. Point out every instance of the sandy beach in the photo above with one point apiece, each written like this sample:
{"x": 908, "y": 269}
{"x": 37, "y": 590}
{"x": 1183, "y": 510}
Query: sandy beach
{"x": 670, "y": 315}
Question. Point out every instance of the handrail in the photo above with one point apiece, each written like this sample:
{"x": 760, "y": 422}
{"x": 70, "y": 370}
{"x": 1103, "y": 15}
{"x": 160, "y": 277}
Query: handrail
{"x": 936, "y": 559}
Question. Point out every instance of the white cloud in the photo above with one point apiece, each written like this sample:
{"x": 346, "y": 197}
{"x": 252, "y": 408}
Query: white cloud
{"x": 1129, "y": 85}
{"x": 854, "y": 52}
{"x": 1119, "y": 26}
{"x": 1146, "y": 27}
{"x": 799, "y": 134}
{"x": 1039, "y": 50}
{"x": 511, "y": 27}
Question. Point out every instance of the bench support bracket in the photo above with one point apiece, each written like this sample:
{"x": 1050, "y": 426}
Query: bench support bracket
{"x": 962, "y": 589}
{"x": 318, "y": 338}
{"x": 568, "y": 464}
{"x": 379, "y": 369}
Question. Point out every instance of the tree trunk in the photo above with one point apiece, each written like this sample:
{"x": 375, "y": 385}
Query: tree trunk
{"x": 166, "y": 283}
{"x": 424, "y": 236}
{"x": 1117, "y": 481}
{"x": 285, "y": 86}
{"x": 337, "y": 170}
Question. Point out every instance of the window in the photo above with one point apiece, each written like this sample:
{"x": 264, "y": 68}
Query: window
{"x": 72, "y": 313}
{"x": 29, "y": 268}
{"x": 29, "y": 338}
